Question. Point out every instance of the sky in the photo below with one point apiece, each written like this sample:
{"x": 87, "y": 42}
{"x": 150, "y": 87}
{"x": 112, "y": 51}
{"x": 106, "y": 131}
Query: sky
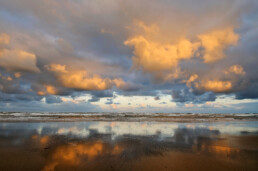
{"x": 129, "y": 56}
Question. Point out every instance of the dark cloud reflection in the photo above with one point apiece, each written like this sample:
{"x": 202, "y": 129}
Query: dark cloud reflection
{"x": 113, "y": 145}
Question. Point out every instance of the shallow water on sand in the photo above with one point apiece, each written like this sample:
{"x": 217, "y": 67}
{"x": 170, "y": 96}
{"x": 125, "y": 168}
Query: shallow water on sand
{"x": 129, "y": 145}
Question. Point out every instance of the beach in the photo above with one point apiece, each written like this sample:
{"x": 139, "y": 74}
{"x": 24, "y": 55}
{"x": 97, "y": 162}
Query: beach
{"x": 128, "y": 85}
{"x": 138, "y": 143}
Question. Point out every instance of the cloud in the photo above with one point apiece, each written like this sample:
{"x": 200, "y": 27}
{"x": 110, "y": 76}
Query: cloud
{"x": 114, "y": 106}
{"x": 215, "y": 86}
{"x": 53, "y": 99}
{"x": 163, "y": 60}
{"x": 186, "y": 95}
{"x": 209, "y": 48}
{"x": 4, "y": 39}
{"x": 82, "y": 79}
{"x": 218, "y": 81}
{"x": 215, "y": 42}
{"x": 15, "y": 98}
{"x": 157, "y": 98}
{"x": 189, "y": 105}
{"x": 94, "y": 99}
{"x": 250, "y": 93}
{"x": 96, "y": 95}
{"x": 105, "y": 93}
{"x": 205, "y": 84}
{"x": 109, "y": 101}
{"x": 236, "y": 69}
{"x": 16, "y": 59}
{"x": 158, "y": 57}
{"x": 48, "y": 89}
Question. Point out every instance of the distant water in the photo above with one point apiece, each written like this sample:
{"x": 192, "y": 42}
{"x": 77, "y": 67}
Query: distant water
{"x": 165, "y": 117}
{"x": 123, "y": 145}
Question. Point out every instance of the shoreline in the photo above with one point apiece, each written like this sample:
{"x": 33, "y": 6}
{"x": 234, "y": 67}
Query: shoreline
{"x": 123, "y": 117}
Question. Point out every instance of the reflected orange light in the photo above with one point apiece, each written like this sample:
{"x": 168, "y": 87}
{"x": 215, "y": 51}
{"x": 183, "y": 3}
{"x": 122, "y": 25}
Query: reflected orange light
{"x": 73, "y": 154}
{"x": 223, "y": 150}
{"x": 35, "y": 137}
{"x": 117, "y": 149}
{"x": 44, "y": 140}
{"x": 41, "y": 140}
{"x": 220, "y": 147}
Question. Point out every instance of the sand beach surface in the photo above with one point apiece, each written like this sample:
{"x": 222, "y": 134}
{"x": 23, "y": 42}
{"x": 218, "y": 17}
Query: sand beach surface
{"x": 41, "y": 141}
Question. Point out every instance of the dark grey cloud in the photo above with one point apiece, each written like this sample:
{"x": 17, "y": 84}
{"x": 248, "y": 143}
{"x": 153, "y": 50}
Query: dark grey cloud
{"x": 14, "y": 98}
{"x": 185, "y": 95}
{"x": 109, "y": 101}
{"x": 96, "y": 95}
{"x": 36, "y": 106}
{"x": 94, "y": 99}
{"x": 250, "y": 93}
{"x": 105, "y": 93}
{"x": 53, "y": 99}
{"x": 157, "y": 98}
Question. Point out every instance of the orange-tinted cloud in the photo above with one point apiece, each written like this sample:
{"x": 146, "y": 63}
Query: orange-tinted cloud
{"x": 4, "y": 39}
{"x": 215, "y": 86}
{"x": 151, "y": 29}
{"x": 82, "y": 79}
{"x": 236, "y": 69}
{"x": 16, "y": 59}
{"x": 169, "y": 40}
{"x": 51, "y": 89}
{"x": 215, "y": 43}
{"x": 191, "y": 79}
{"x": 41, "y": 93}
{"x": 48, "y": 89}
{"x": 154, "y": 56}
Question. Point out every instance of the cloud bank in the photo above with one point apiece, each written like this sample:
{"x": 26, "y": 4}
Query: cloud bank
{"x": 53, "y": 53}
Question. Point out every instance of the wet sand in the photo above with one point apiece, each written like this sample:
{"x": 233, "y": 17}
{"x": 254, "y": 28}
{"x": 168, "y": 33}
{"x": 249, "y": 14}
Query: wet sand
{"x": 148, "y": 145}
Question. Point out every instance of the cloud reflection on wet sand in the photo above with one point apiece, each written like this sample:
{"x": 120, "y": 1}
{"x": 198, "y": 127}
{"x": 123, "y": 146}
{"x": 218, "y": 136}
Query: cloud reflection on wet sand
{"x": 116, "y": 146}
{"x": 77, "y": 155}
